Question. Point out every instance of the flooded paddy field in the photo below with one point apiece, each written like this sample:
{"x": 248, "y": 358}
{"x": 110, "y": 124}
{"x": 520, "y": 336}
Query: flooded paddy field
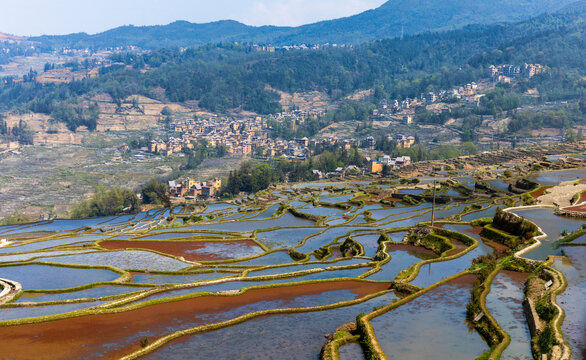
{"x": 270, "y": 280}
{"x": 191, "y": 250}
{"x": 288, "y": 336}
{"x": 552, "y": 226}
{"x": 504, "y": 303}
{"x": 405, "y": 332}
{"x": 572, "y": 300}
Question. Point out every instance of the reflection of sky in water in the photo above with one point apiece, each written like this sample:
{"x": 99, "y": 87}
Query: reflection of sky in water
{"x": 350, "y": 351}
{"x": 129, "y": 259}
{"x": 229, "y": 249}
{"x": 283, "y": 337}
{"x": 178, "y": 324}
{"x": 499, "y": 185}
{"x": 48, "y": 244}
{"x": 434, "y": 272}
{"x": 216, "y": 207}
{"x": 480, "y": 214}
{"x": 432, "y": 326}
{"x": 96, "y": 292}
{"x": 246, "y": 226}
{"x": 572, "y": 299}
{"x": 555, "y": 177}
{"x": 285, "y": 238}
{"x": 400, "y": 260}
{"x": 158, "y": 279}
{"x": 552, "y": 225}
{"x": 324, "y": 238}
{"x": 337, "y": 199}
{"x": 42, "y": 277}
{"x": 29, "y": 312}
{"x": 38, "y": 255}
{"x": 322, "y": 211}
{"x": 504, "y": 302}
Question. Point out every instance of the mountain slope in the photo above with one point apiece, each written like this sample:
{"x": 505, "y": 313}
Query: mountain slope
{"x": 228, "y": 76}
{"x": 389, "y": 20}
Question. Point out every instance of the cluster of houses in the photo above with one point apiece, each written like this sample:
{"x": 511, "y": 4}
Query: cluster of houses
{"x": 171, "y": 146}
{"x": 465, "y": 92}
{"x": 192, "y": 189}
{"x": 240, "y": 136}
{"x": 376, "y": 166}
{"x": 297, "y": 116}
{"x": 504, "y": 73}
{"x": 272, "y": 49}
{"x": 403, "y": 142}
{"x": 340, "y": 172}
{"x": 247, "y": 137}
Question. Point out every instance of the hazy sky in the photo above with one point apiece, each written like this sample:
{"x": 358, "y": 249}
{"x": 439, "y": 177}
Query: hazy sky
{"x": 36, "y": 17}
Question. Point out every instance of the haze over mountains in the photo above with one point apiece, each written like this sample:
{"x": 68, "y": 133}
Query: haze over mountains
{"x": 389, "y": 20}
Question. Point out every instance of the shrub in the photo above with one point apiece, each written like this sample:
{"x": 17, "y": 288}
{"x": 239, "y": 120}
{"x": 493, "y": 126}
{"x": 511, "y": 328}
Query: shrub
{"x": 424, "y": 236}
{"x": 545, "y": 309}
{"x": 513, "y": 224}
{"x": 409, "y": 200}
{"x": 500, "y": 237}
{"x": 546, "y": 340}
{"x": 15, "y": 218}
{"x": 350, "y": 248}
{"x": 113, "y": 201}
{"x": 155, "y": 193}
{"x": 296, "y": 255}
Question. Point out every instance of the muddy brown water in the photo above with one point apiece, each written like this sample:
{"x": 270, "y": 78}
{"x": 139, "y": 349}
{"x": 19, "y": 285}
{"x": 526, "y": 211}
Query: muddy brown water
{"x": 106, "y": 336}
{"x": 189, "y": 250}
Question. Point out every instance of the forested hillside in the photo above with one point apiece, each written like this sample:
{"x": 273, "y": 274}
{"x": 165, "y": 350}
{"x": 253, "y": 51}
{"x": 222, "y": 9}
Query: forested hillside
{"x": 228, "y": 76}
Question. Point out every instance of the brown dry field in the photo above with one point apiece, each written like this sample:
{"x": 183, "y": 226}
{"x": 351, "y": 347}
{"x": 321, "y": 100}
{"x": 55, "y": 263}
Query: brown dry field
{"x": 578, "y": 208}
{"x": 540, "y": 192}
{"x": 186, "y": 249}
{"x": 302, "y": 101}
{"x": 55, "y": 340}
{"x": 109, "y": 120}
{"x": 41, "y": 179}
{"x": 561, "y": 195}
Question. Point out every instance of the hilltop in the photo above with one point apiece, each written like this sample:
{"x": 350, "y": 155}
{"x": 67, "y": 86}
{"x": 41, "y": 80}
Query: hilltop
{"x": 393, "y": 18}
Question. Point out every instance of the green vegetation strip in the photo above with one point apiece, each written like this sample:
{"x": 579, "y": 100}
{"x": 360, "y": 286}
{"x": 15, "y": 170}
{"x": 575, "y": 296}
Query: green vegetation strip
{"x": 567, "y": 240}
{"x": 331, "y": 350}
{"x": 488, "y": 327}
{"x": 556, "y": 322}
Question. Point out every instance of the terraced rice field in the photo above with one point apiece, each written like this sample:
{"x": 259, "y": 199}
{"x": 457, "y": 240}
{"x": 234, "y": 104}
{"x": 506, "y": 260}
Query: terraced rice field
{"x": 269, "y": 281}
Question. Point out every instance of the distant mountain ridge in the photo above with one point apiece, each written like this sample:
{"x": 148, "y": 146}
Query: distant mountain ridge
{"x": 389, "y": 20}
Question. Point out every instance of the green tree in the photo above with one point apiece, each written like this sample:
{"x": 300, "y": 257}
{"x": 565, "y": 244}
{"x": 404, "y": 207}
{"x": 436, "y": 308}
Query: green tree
{"x": 155, "y": 192}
